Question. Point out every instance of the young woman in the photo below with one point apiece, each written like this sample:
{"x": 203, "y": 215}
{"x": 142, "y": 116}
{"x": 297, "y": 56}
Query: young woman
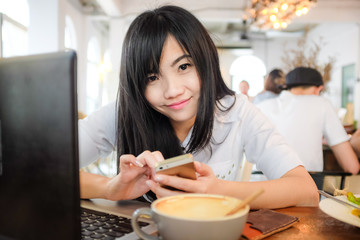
{"x": 172, "y": 100}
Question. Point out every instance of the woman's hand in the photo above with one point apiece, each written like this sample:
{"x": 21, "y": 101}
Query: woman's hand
{"x": 205, "y": 182}
{"x": 130, "y": 183}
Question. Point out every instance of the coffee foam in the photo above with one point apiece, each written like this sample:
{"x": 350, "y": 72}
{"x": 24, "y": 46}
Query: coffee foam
{"x": 197, "y": 208}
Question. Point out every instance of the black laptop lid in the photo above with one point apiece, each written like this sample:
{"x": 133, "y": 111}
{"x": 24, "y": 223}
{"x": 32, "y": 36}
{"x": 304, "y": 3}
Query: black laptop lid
{"x": 39, "y": 178}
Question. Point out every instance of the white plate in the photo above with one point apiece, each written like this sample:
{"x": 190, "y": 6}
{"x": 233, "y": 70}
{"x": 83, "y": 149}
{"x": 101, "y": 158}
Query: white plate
{"x": 340, "y": 211}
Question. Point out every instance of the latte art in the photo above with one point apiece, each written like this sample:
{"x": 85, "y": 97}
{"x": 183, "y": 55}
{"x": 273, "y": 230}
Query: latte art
{"x": 197, "y": 208}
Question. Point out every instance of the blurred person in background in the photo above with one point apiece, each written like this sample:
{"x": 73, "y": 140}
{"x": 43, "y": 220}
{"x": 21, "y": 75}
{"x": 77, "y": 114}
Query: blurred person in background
{"x": 272, "y": 84}
{"x": 244, "y": 89}
{"x": 355, "y": 142}
{"x": 304, "y": 118}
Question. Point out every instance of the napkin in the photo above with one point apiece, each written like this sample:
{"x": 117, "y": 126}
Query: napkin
{"x": 265, "y": 222}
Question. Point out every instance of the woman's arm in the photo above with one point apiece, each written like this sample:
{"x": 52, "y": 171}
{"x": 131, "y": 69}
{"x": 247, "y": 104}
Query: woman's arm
{"x": 295, "y": 188}
{"x": 346, "y": 157}
{"x": 92, "y": 185}
{"x": 130, "y": 183}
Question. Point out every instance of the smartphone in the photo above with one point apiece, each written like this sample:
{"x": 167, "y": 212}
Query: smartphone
{"x": 182, "y": 166}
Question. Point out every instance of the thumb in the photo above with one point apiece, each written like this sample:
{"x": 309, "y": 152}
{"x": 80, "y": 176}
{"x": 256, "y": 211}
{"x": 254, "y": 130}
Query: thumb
{"x": 202, "y": 169}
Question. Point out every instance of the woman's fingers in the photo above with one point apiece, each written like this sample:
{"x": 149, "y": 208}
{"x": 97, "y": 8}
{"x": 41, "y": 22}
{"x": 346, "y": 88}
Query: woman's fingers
{"x": 144, "y": 165}
{"x": 150, "y": 159}
{"x": 160, "y": 190}
{"x": 184, "y": 184}
{"x": 206, "y": 178}
{"x": 128, "y": 159}
{"x": 202, "y": 169}
{"x": 158, "y": 156}
{"x": 146, "y": 158}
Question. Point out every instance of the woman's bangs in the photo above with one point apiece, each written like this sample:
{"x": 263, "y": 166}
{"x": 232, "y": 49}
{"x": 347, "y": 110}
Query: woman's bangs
{"x": 152, "y": 49}
{"x": 152, "y": 61}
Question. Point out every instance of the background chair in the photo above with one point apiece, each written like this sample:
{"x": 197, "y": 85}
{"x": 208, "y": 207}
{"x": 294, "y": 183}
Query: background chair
{"x": 327, "y": 180}
{"x": 244, "y": 172}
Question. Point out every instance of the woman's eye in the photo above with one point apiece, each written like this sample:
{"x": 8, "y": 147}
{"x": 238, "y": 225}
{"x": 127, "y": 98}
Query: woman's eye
{"x": 184, "y": 66}
{"x": 151, "y": 78}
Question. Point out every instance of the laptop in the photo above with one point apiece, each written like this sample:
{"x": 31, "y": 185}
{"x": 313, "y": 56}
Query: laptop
{"x": 39, "y": 163}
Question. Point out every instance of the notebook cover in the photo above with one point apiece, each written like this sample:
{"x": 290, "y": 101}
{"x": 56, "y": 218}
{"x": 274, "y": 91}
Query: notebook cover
{"x": 265, "y": 222}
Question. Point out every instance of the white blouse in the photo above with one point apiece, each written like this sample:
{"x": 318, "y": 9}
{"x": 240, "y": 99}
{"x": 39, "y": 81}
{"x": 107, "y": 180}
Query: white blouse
{"x": 242, "y": 129}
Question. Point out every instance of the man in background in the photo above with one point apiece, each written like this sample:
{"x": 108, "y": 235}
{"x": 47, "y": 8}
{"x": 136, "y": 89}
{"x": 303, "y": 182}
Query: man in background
{"x": 304, "y": 118}
{"x": 244, "y": 89}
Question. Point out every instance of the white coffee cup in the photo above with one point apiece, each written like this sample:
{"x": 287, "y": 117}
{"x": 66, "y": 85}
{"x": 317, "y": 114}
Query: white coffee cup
{"x": 193, "y": 217}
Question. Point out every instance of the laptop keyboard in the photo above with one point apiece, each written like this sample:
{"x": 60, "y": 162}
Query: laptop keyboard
{"x": 104, "y": 226}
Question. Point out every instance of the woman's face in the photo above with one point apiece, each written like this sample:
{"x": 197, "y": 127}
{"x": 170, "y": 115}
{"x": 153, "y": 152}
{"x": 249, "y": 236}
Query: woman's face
{"x": 175, "y": 91}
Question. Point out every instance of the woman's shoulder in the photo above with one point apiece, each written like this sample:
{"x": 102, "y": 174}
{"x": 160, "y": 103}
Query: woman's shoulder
{"x": 104, "y": 116}
{"x": 233, "y": 100}
{"x": 265, "y": 95}
{"x": 232, "y": 107}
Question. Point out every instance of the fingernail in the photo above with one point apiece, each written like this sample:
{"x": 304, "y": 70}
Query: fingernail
{"x": 148, "y": 183}
{"x": 198, "y": 164}
{"x": 139, "y": 164}
{"x": 158, "y": 178}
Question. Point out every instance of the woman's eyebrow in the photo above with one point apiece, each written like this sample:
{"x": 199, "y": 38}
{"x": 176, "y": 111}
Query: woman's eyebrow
{"x": 179, "y": 59}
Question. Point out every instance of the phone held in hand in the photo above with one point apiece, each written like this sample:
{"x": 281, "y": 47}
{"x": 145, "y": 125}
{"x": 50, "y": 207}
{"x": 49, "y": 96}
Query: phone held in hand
{"x": 182, "y": 166}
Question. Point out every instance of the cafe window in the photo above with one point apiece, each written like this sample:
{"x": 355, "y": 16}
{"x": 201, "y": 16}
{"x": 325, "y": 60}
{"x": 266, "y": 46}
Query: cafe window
{"x": 14, "y": 22}
{"x": 251, "y": 69}
{"x": 93, "y": 79}
{"x": 70, "y": 34}
{"x": 105, "y": 69}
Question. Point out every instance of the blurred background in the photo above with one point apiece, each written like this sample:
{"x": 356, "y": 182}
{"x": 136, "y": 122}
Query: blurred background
{"x": 253, "y": 37}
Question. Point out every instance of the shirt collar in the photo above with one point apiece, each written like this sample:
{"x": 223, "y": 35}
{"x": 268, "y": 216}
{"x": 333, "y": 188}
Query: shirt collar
{"x": 285, "y": 94}
{"x": 221, "y": 116}
{"x": 225, "y": 103}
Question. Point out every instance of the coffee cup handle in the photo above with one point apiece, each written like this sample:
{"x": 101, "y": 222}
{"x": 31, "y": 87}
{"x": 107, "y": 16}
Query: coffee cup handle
{"x": 142, "y": 212}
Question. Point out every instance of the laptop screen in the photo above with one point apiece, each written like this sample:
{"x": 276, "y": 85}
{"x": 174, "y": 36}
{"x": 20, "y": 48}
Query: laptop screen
{"x": 39, "y": 172}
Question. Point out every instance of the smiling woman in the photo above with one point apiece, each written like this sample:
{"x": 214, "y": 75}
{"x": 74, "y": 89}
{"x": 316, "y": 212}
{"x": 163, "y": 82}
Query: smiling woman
{"x": 173, "y": 100}
{"x": 175, "y": 92}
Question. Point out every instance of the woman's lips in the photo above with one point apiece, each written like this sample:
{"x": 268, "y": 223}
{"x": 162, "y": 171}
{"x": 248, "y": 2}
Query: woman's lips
{"x": 179, "y": 105}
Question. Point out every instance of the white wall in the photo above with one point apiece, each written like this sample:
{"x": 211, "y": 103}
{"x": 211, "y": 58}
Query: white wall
{"x": 117, "y": 31}
{"x": 79, "y": 21}
{"x": 46, "y": 34}
{"x": 341, "y": 40}
{"x": 45, "y": 22}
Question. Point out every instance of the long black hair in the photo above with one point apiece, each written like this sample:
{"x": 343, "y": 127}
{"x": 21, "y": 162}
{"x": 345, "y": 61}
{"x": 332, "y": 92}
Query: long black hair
{"x": 139, "y": 126}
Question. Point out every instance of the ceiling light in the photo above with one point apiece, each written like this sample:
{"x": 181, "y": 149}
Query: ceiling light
{"x": 276, "y": 13}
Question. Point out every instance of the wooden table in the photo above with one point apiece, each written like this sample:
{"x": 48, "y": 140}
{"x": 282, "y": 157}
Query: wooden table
{"x": 312, "y": 224}
{"x": 315, "y": 224}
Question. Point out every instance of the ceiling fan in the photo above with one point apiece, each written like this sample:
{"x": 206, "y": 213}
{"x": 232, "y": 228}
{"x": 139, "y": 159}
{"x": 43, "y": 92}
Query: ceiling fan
{"x": 238, "y": 35}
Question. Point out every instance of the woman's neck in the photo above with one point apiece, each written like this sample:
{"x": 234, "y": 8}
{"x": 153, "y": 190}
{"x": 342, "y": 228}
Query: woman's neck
{"x": 182, "y": 129}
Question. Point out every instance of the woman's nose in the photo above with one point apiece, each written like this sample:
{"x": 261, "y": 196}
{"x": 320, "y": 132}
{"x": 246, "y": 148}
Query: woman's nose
{"x": 173, "y": 88}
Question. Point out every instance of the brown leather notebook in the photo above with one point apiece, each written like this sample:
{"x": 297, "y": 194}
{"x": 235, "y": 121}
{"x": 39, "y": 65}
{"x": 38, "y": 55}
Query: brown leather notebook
{"x": 265, "y": 222}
